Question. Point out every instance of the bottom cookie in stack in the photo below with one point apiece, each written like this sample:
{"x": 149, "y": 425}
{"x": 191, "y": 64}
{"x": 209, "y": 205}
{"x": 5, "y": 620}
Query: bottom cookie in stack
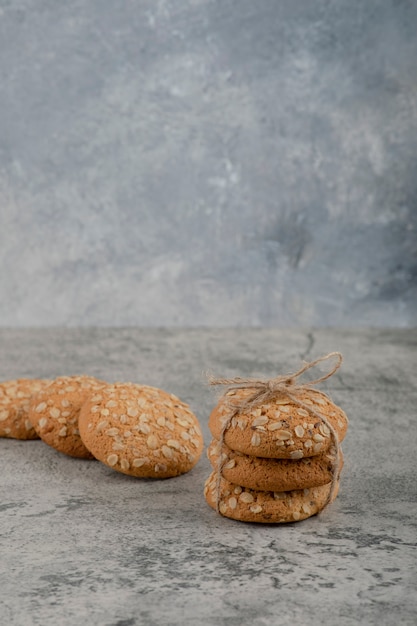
{"x": 274, "y": 507}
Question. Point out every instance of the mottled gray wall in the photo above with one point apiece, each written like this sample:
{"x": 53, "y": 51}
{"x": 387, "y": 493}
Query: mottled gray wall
{"x": 208, "y": 162}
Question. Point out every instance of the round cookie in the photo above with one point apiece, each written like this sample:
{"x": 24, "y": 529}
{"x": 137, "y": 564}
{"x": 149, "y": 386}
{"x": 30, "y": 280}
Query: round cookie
{"x": 279, "y": 429}
{"x": 141, "y": 431}
{"x": 248, "y": 505}
{"x": 15, "y": 396}
{"x": 54, "y": 413}
{"x": 273, "y": 474}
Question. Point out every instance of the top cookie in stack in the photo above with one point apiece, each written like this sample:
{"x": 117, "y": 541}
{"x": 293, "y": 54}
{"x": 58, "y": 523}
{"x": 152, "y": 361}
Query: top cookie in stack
{"x": 279, "y": 429}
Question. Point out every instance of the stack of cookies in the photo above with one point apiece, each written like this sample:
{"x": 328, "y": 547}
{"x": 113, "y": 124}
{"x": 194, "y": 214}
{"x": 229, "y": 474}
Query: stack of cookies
{"x": 134, "y": 429}
{"x": 275, "y": 462}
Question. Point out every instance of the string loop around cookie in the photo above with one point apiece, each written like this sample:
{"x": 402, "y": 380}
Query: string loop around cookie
{"x": 265, "y": 391}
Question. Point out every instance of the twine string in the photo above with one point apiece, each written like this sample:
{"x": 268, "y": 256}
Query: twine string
{"x": 267, "y": 390}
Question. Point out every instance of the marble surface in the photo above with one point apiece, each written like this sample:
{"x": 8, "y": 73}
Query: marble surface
{"x": 81, "y": 543}
{"x": 208, "y": 163}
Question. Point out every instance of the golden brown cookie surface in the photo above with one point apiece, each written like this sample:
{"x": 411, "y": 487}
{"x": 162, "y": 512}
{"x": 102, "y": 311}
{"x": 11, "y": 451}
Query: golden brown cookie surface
{"x": 141, "y": 431}
{"x": 273, "y": 474}
{"x": 279, "y": 429}
{"x": 248, "y": 505}
{"x": 15, "y": 398}
{"x": 55, "y": 410}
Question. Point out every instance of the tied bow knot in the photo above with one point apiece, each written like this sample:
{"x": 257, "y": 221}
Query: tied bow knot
{"x": 280, "y": 384}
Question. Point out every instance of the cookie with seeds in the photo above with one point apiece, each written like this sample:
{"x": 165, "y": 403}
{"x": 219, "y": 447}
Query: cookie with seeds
{"x": 279, "y": 429}
{"x": 273, "y": 507}
{"x": 273, "y": 474}
{"x": 55, "y": 410}
{"x": 141, "y": 431}
{"x": 15, "y": 396}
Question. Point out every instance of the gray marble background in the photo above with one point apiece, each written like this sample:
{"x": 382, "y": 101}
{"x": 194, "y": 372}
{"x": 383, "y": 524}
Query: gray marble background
{"x": 208, "y": 162}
